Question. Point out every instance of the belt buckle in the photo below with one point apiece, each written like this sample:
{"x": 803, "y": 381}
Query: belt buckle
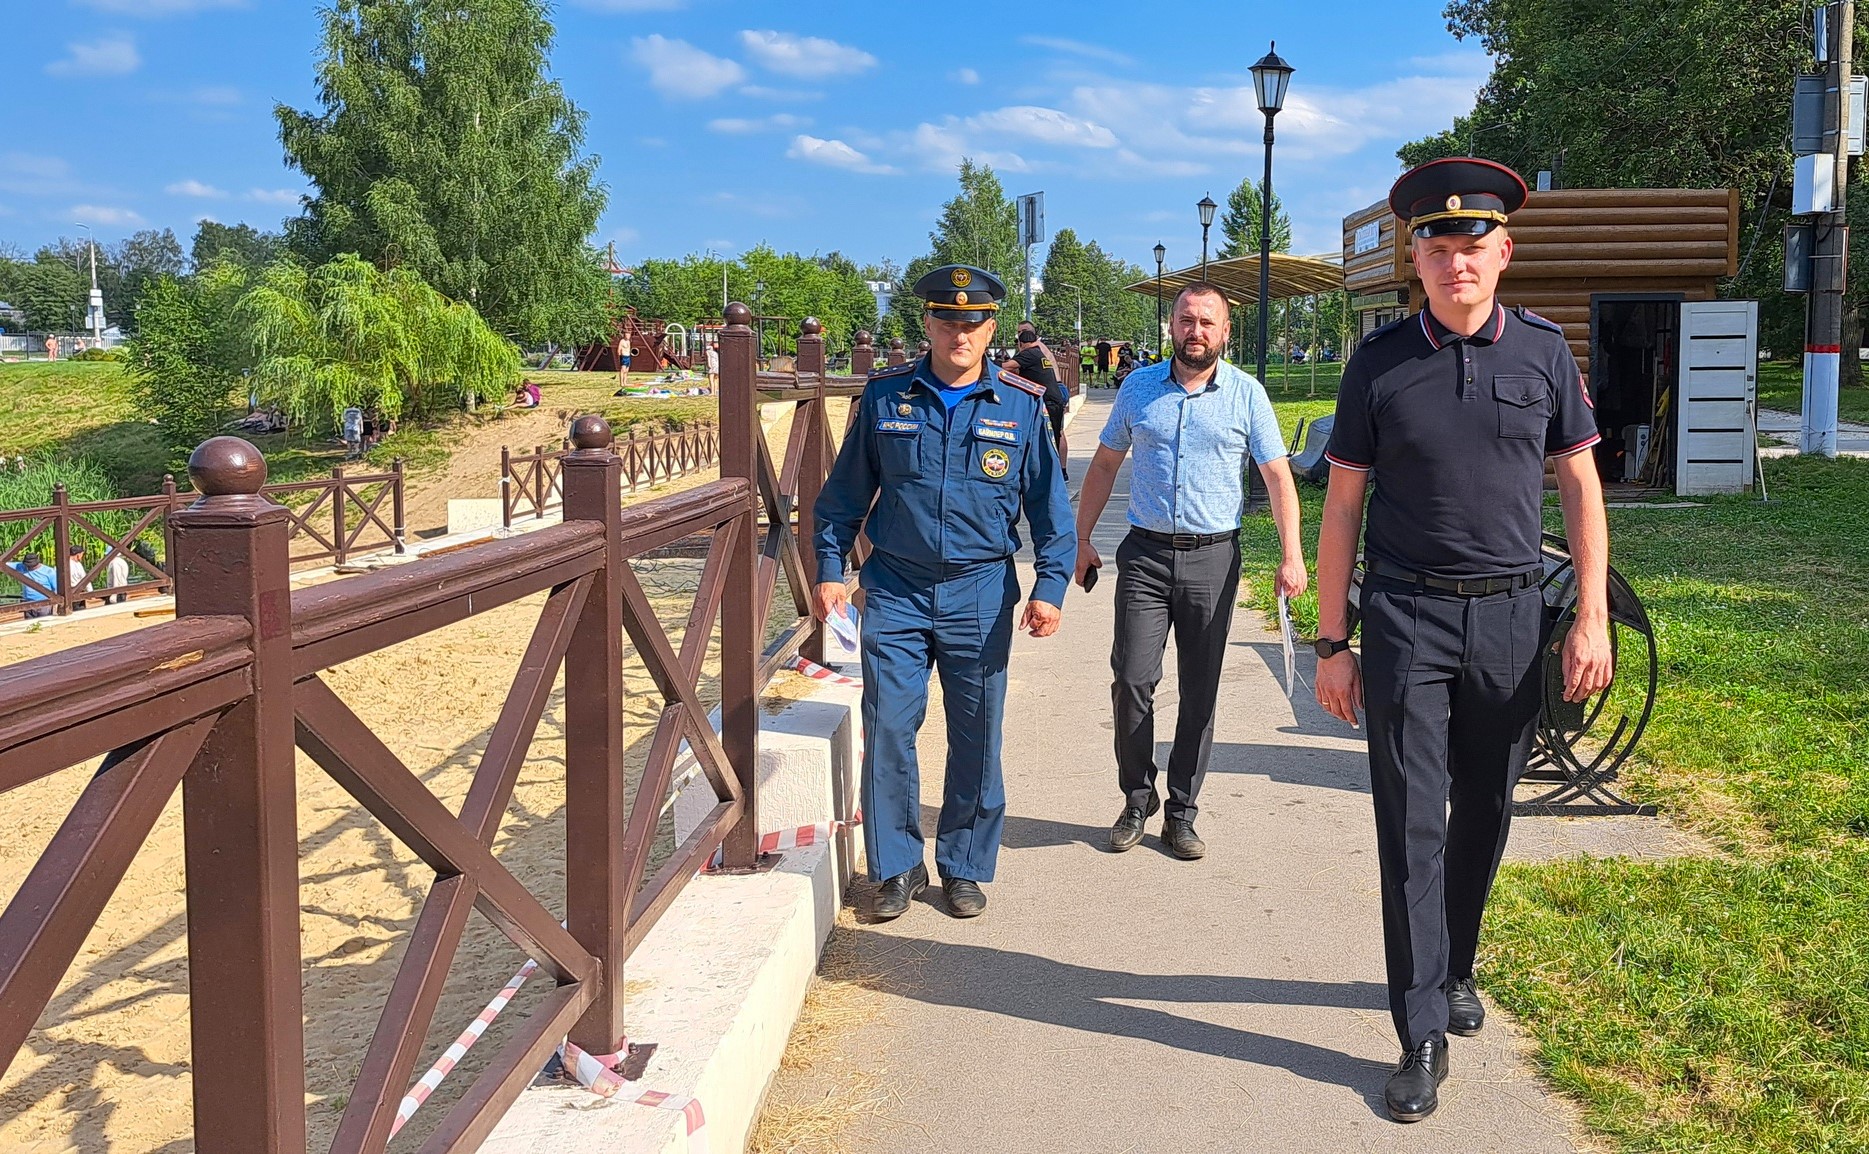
{"x": 1186, "y": 540}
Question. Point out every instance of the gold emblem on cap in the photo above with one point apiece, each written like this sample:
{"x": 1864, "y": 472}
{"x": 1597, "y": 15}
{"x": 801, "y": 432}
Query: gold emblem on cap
{"x": 1453, "y": 204}
{"x": 905, "y": 410}
{"x": 960, "y": 298}
{"x": 961, "y": 278}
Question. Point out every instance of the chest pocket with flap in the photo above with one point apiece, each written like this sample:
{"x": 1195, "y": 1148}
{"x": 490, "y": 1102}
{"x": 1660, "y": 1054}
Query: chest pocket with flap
{"x": 1524, "y": 407}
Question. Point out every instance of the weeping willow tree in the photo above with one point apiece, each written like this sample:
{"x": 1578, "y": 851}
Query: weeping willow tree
{"x": 347, "y": 333}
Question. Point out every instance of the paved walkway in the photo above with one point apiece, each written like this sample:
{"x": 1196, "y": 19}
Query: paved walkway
{"x": 1786, "y": 429}
{"x": 1136, "y": 1002}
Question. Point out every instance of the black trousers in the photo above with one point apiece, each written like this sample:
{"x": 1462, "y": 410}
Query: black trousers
{"x": 1192, "y": 591}
{"x": 1451, "y": 689}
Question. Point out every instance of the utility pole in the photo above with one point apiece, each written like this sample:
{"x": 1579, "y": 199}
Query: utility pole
{"x": 1823, "y": 339}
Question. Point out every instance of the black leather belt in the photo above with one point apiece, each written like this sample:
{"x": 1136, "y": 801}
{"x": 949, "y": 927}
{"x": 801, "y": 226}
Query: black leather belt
{"x": 1470, "y": 587}
{"x": 1184, "y": 540}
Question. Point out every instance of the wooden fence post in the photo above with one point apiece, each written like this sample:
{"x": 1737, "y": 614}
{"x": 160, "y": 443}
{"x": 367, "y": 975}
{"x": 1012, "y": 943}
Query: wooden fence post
{"x": 814, "y": 463}
{"x": 597, "y": 894}
{"x": 61, "y": 549}
{"x": 741, "y": 633}
{"x": 396, "y": 502}
{"x": 896, "y": 354}
{"x": 863, "y": 355}
{"x": 337, "y": 512}
{"x": 506, "y": 487}
{"x": 240, "y": 823}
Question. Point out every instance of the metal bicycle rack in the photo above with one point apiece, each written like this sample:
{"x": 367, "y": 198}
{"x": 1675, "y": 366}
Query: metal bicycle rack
{"x": 1579, "y": 747}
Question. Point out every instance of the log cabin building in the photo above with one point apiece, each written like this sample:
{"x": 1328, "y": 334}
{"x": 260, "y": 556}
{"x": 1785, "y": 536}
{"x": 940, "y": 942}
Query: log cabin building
{"x": 1632, "y": 275}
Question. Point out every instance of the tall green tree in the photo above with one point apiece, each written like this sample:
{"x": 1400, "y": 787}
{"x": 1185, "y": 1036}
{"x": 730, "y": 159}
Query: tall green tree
{"x": 187, "y": 355}
{"x": 49, "y": 291}
{"x": 441, "y": 145}
{"x": 979, "y": 226}
{"x": 241, "y": 243}
{"x": 346, "y": 333}
{"x": 1074, "y": 270}
{"x": 1239, "y": 228}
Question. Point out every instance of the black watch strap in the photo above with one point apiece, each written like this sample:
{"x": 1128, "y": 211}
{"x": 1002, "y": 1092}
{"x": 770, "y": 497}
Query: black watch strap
{"x": 1325, "y": 647}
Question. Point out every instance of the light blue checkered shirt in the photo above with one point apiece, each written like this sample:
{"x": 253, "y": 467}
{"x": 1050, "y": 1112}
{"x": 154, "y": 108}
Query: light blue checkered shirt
{"x": 1188, "y": 462}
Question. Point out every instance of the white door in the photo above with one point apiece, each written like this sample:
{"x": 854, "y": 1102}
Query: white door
{"x": 1714, "y": 420}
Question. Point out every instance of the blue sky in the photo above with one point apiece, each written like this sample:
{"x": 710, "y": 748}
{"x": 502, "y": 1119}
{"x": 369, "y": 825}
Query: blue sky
{"x": 809, "y": 126}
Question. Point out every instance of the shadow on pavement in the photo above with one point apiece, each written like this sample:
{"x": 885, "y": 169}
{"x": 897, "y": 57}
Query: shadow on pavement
{"x": 1084, "y": 998}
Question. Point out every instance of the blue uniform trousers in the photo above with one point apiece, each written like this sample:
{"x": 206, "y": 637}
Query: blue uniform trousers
{"x": 959, "y": 621}
{"x": 1451, "y": 689}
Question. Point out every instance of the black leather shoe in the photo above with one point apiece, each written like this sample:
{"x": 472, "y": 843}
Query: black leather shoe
{"x": 965, "y": 899}
{"x": 892, "y": 901}
{"x": 1465, "y": 1012}
{"x": 1414, "y": 1089}
{"x": 1128, "y": 828}
{"x": 1181, "y": 840}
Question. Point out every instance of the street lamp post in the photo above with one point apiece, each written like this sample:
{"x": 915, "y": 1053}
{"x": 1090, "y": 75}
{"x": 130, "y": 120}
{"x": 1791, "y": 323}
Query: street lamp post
{"x": 94, "y": 311}
{"x": 1080, "y": 312}
{"x": 1207, "y": 206}
{"x": 1161, "y": 252}
{"x": 1270, "y": 76}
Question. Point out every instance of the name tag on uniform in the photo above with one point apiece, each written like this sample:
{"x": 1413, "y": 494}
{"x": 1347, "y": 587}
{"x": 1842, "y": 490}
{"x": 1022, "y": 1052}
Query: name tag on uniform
{"x": 989, "y": 431}
{"x": 887, "y": 425}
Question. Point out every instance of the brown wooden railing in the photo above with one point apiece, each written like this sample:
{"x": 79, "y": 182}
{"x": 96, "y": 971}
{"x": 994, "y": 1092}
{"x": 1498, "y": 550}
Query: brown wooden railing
{"x": 530, "y": 483}
{"x": 216, "y": 701}
{"x": 335, "y": 518}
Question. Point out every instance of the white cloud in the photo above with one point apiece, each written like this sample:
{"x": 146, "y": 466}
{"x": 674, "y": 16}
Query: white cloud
{"x": 274, "y": 195}
{"x": 29, "y": 175}
{"x": 678, "y": 69}
{"x": 220, "y": 95}
{"x": 1076, "y": 48}
{"x": 735, "y": 125}
{"x": 940, "y": 148}
{"x": 1046, "y": 125}
{"x": 762, "y": 92}
{"x": 111, "y": 56}
{"x": 810, "y": 57}
{"x": 833, "y": 154}
{"x": 161, "y": 7}
{"x": 964, "y": 76}
{"x": 104, "y": 215}
{"x": 195, "y": 188}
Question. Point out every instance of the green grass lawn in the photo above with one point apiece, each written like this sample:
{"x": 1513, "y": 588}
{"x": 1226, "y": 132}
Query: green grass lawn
{"x": 1716, "y": 1004}
{"x": 86, "y": 410}
{"x": 1781, "y": 386}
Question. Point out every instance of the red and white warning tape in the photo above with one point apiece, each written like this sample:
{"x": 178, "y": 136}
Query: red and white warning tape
{"x": 597, "y": 1074}
{"x": 819, "y": 673}
{"x": 452, "y": 1056}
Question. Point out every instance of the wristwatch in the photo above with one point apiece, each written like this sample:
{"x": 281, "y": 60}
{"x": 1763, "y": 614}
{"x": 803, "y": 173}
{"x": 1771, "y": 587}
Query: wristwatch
{"x": 1324, "y": 647}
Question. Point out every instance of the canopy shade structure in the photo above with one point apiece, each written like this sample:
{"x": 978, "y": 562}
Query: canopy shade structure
{"x": 1292, "y": 276}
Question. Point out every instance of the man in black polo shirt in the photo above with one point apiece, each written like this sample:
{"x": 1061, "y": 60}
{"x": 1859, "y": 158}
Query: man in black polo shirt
{"x": 1034, "y": 362}
{"x": 1453, "y": 411}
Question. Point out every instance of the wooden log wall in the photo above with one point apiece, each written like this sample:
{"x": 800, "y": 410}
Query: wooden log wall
{"x": 1573, "y": 243}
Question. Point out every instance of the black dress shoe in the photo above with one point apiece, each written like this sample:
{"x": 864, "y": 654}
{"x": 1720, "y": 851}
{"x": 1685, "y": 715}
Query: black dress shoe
{"x": 965, "y": 899}
{"x": 1414, "y": 1089}
{"x": 1181, "y": 840}
{"x": 1127, "y": 830}
{"x": 1465, "y": 1012}
{"x": 892, "y": 901}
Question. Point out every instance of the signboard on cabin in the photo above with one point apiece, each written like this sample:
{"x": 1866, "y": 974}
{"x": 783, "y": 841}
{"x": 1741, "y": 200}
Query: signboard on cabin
{"x": 1368, "y": 238}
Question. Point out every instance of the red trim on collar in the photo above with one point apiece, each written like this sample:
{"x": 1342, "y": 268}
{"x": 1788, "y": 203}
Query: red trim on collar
{"x": 1427, "y": 330}
{"x": 1500, "y": 329}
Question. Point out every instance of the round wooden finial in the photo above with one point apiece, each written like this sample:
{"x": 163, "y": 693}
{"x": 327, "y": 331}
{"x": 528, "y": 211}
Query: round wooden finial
{"x": 226, "y": 467}
{"x": 591, "y": 432}
{"x": 863, "y": 338}
{"x": 738, "y": 314}
{"x": 922, "y": 348}
{"x": 896, "y": 343}
{"x": 810, "y": 327}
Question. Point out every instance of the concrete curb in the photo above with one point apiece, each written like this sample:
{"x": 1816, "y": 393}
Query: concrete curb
{"x": 719, "y": 982}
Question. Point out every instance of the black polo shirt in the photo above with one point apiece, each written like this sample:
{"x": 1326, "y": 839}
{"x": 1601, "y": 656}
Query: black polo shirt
{"x": 1034, "y": 364}
{"x": 1456, "y": 430}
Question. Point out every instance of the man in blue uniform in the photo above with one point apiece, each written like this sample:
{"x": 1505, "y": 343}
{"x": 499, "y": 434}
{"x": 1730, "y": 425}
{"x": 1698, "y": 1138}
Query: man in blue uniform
{"x": 1453, "y": 411}
{"x": 945, "y": 454}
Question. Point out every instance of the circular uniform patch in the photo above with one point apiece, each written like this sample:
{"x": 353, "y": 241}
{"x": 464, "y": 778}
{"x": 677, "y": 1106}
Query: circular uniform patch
{"x": 905, "y": 410}
{"x": 994, "y": 463}
{"x": 961, "y": 278}
{"x": 960, "y": 298}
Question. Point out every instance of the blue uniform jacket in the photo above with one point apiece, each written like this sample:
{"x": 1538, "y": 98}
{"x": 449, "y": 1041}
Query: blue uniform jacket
{"x": 948, "y": 486}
